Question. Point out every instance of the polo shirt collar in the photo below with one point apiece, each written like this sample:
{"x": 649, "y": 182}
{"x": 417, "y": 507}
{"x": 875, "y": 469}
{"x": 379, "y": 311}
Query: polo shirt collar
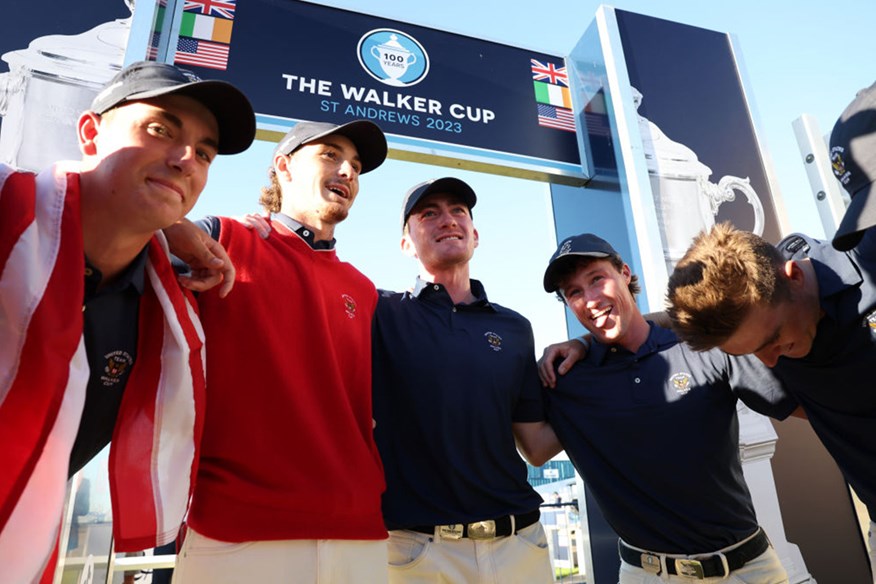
{"x": 659, "y": 338}
{"x": 134, "y": 276}
{"x": 431, "y": 292}
{"x": 302, "y": 231}
{"x": 835, "y": 271}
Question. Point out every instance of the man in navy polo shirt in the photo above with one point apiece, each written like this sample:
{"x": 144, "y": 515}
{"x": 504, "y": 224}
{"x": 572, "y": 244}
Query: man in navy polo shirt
{"x": 652, "y": 426}
{"x": 804, "y": 308}
{"x": 454, "y": 383}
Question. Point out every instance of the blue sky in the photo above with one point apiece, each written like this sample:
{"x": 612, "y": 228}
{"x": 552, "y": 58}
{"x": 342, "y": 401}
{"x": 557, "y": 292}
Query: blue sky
{"x": 798, "y": 57}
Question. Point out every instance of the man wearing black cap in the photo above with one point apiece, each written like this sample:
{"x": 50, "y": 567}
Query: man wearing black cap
{"x": 804, "y": 308}
{"x": 454, "y": 383}
{"x": 652, "y": 427}
{"x": 289, "y": 482}
{"x": 91, "y": 313}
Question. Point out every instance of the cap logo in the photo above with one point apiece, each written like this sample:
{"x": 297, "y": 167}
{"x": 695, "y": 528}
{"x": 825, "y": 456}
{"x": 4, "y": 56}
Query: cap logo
{"x": 681, "y": 382}
{"x": 494, "y": 340}
{"x": 870, "y": 322}
{"x": 349, "y": 305}
{"x": 565, "y": 248}
{"x": 106, "y": 90}
{"x": 190, "y": 76}
{"x": 393, "y": 57}
{"x": 838, "y": 164}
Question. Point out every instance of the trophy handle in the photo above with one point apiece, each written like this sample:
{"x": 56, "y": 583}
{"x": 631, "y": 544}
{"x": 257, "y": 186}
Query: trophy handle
{"x": 4, "y": 93}
{"x": 375, "y": 52}
{"x": 724, "y": 191}
{"x": 413, "y": 59}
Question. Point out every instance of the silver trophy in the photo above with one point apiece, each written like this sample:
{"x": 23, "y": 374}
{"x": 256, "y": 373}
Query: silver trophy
{"x": 48, "y": 85}
{"x": 685, "y": 199}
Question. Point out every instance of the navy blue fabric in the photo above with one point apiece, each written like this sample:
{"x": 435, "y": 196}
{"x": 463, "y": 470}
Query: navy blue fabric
{"x": 655, "y": 436}
{"x": 449, "y": 380}
{"x": 110, "y": 329}
{"x": 835, "y": 382}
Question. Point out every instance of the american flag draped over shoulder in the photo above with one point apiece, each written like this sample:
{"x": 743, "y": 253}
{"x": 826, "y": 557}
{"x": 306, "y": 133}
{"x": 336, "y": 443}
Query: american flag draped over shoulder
{"x": 43, "y": 373}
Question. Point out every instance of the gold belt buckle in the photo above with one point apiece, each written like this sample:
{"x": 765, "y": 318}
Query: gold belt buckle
{"x": 650, "y": 563}
{"x": 689, "y": 569}
{"x": 454, "y": 531}
{"x": 482, "y": 529}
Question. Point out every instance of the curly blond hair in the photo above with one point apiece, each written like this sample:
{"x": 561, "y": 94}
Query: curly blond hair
{"x": 722, "y": 276}
{"x": 272, "y": 196}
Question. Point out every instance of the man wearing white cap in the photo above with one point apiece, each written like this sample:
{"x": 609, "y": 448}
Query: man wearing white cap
{"x": 289, "y": 482}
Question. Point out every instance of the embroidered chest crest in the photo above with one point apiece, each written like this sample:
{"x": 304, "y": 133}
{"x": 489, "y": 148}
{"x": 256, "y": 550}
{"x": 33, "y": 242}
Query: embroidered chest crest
{"x": 681, "y": 382}
{"x": 494, "y": 340}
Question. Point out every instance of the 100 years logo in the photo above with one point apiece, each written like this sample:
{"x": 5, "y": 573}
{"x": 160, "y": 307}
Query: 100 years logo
{"x": 393, "y": 57}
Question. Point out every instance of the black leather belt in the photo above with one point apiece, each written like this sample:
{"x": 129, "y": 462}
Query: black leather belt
{"x": 499, "y": 527}
{"x": 699, "y": 567}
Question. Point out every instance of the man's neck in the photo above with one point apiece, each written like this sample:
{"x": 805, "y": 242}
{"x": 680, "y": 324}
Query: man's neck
{"x": 321, "y": 231}
{"x": 810, "y": 291}
{"x": 107, "y": 245}
{"x": 455, "y": 280}
{"x": 636, "y": 334}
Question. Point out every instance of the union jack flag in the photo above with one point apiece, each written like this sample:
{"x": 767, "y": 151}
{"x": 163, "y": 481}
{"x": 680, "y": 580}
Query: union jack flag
{"x": 558, "y": 118}
{"x": 545, "y": 72}
{"x": 220, "y": 8}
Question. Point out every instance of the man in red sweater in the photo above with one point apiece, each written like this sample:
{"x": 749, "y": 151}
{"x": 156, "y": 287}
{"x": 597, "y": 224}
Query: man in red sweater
{"x": 290, "y": 481}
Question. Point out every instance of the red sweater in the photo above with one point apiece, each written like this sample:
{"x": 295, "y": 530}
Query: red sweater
{"x": 288, "y": 450}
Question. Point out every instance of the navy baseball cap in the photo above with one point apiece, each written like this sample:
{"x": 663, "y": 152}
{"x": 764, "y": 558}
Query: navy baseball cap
{"x": 366, "y": 136}
{"x": 586, "y": 244}
{"x": 446, "y": 186}
{"x": 853, "y": 159}
{"x": 146, "y": 79}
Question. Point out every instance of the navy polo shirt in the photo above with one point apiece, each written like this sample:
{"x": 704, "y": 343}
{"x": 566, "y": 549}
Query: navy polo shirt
{"x": 449, "y": 381}
{"x": 110, "y": 328}
{"x": 834, "y": 383}
{"x": 656, "y": 438}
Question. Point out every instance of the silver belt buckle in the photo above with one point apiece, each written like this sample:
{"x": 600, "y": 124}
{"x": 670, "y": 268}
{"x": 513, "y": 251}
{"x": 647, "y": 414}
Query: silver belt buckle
{"x": 482, "y": 529}
{"x": 454, "y": 531}
{"x": 650, "y": 563}
{"x": 689, "y": 569}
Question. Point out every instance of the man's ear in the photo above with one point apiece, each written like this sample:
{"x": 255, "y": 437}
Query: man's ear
{"x": 793, "y": 271}
{"x": 407, "y": 246}
{"x": 87, "y": 129}
{"x": 476, "y": 238}
{"x": 281, "y": 167}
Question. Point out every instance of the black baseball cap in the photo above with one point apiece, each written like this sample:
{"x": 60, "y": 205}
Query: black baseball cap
{"x": 853, "y": 159}
{"x": 146, "y": 79}
{"x": 366, "y": 136}
{"x": 585, "y": 244}
{"x": 446, "y": 186}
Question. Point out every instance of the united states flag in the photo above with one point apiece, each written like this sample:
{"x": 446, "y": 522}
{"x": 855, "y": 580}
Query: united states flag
{"x": 559, "y": 118}
{"x": 152, "y": 50}
{"x": 191, "y": 51}
{"x": 549, "y": 72}
{"x": 220, "y": 8}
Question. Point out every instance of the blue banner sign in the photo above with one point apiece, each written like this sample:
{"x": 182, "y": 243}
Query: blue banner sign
{"x": 430, "y": 90}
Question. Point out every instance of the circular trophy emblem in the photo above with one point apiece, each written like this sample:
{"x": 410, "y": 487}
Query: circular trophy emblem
{"x": 393, "y": 57}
